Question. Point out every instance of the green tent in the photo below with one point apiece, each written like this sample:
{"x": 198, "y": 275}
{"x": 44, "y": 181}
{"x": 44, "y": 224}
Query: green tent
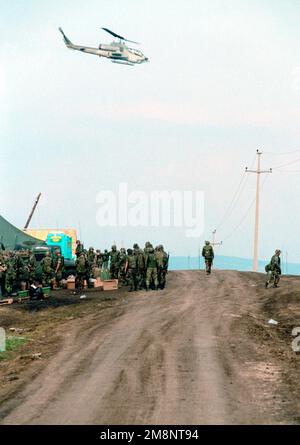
{"x": 13, "y": 238}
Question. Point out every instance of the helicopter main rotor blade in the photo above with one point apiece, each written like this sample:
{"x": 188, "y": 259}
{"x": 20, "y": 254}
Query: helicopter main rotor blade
{"x": 119, "y": 37}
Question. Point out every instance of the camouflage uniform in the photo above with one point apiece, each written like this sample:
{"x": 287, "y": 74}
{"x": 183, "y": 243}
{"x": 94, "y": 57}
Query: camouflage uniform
{"x": 47, "y": 268}
{"x": 81, "y": 270}
{"x": 122, "y": 267}
{"x": 131, "y": 267}
{"x": 91, "y": 261}
{"x": 23, "y": 273}
{"x": 141, "y": 272}
{"x": 58, "y": 266}
{"x": 114, "y": 262}
{"x": 273, "y": 269}
{"x": 208, "y": 255}
{"x": 162, "y": 265}
{"x": 99, "y": 259}
{"x": 10, "y": 275}
{"x": 151, "y": 268}
{"x": 79, "y": 248}
{"x": 105, "y": 258}
{"x": 3, "y": 269}
{"x": 32, "y": 267}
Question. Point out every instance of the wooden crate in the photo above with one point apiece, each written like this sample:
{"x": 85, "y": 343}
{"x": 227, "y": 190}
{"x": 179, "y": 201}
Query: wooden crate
{"x": 110, "y": 284}
{"x": 98, "y": 283}
{"x": 6, "y": 301}
{"x": 71, "y": 283}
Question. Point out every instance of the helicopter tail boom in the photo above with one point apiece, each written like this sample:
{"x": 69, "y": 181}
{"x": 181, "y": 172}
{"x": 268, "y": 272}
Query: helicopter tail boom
{"x": 68, "y": 42}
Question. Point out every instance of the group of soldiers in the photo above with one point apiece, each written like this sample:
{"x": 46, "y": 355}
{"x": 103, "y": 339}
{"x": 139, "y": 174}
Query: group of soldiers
{"x": 19, "y": 269}
{"x": 138, "y": 268}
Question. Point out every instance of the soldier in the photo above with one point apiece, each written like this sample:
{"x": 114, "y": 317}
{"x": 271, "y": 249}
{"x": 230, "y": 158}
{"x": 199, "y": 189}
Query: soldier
{"x": 114, "y": 262}
{"x": 3, "y": 269}
{"x": 131, "y": 269}
{"x": 208, "y": 254}
{"x": 162, "y": 265}
{"x": 32, "y": 267}
{"x": 23, "y": 273}
{"x": 141, "y": 272}
{"x": 20, "y": 267}
{"x": 273, "y": 269}
{"x": 58, "y": 265}
{"x": 148, "y": 246}
{"x": 151, "y": 268}
{"x": 47, "y": 268}
{"x": 91, "y": 261}
{"x": 10, "y": 274}
{"x": 81, "y": 270}
{"x": 79, "y": 248}
{"x": 98, "y": 259}
{"x": 122, "y": 267}
{"x": 105, "y": 258}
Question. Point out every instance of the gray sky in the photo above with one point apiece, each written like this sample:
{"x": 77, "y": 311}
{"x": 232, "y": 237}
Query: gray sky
{"x": 223, "y": 80}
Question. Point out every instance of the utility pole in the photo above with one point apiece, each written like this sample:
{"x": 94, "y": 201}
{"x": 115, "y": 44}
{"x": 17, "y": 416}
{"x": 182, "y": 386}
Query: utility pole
{"x": 215, "y": 243}
{"x": 258, "y": 172}
{"x": 32, "y": 211}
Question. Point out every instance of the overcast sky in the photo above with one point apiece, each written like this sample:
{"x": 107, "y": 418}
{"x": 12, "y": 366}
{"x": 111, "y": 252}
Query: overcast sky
{"x": 223, "y": 80}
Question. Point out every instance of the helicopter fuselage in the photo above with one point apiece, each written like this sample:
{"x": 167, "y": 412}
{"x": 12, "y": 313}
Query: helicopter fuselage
{"x": 117, "y": 52}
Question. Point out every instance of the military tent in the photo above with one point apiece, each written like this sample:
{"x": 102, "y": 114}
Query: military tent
{"x": 11, "y": 237}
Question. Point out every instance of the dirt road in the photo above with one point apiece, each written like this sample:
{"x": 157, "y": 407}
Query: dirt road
{"x": 184, "y": 355}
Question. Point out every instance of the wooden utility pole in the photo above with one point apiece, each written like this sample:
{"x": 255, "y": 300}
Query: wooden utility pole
{"x": 258, "y": 172}
{"x": 32, "y": 211}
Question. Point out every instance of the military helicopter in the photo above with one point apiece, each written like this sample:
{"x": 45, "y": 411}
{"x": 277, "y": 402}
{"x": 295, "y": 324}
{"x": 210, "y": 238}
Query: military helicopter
{"x": 117, "y": 51}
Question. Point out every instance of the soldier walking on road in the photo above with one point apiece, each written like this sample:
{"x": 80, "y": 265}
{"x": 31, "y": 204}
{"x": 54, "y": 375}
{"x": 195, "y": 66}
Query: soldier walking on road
{"x": 208, "y": 255}
{"x": 273, "y": 269}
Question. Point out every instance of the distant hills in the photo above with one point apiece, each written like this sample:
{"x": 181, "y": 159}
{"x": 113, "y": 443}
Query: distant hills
{"x": 229, "y": 263}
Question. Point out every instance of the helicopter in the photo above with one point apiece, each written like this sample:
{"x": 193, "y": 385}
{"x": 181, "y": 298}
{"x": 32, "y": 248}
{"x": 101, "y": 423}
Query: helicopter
{"x": 117, "y": 51}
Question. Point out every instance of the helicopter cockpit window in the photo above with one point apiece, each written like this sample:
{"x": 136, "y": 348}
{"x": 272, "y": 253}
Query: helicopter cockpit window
{"x": 136, "y": 51}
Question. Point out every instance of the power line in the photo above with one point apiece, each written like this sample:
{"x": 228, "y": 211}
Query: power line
{"x": 282, "y": 153}
{"x": 246, "y": 213}
{"x": 231, "y": 206}
{"x": 288, "y": 171}
{"x": 235, "y": 198}
{"x": 288, "y": 163}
